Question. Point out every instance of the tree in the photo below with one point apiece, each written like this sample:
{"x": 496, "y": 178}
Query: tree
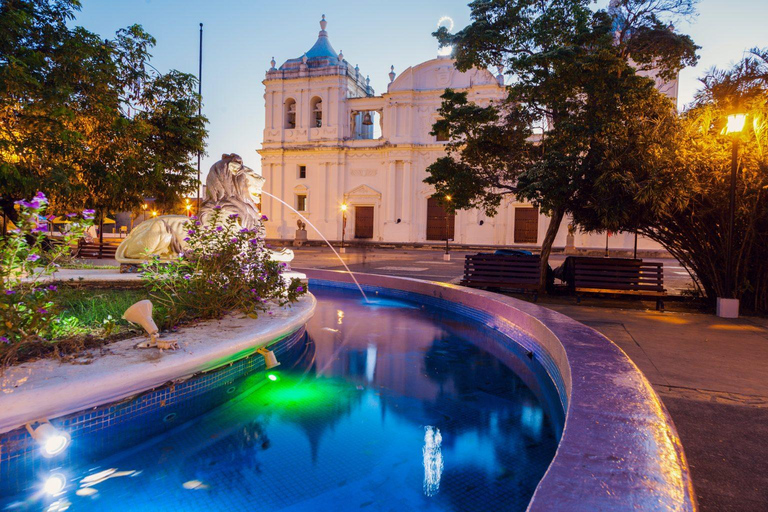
{"x": 607, "y": 131}
{"x": 695, "y": 230}
{"x": 89, "y": 121}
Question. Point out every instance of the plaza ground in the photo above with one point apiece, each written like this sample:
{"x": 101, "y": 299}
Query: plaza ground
{"x": 711, "y": 373}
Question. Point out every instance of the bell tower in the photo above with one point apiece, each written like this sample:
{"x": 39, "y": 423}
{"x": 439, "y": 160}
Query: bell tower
{"x": 306, "y": 97}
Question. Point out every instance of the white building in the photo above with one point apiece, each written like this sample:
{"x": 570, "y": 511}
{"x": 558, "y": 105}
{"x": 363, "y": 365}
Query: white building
{"x": 329, "y": 140}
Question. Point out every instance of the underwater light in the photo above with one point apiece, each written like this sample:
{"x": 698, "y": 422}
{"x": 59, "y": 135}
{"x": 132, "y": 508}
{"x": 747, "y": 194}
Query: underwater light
{"x": 54, "y": 484}
{"x": 273, "y": 377}
{"x": 269, "y": 358}
{"x": 52, "y": 441}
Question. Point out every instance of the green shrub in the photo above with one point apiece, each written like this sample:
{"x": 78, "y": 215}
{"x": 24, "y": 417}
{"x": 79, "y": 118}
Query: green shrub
{"x": 225, "y": 268}
{"x": 27, "y": 309}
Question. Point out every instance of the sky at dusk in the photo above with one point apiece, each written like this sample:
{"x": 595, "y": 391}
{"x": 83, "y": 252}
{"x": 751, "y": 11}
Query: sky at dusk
{"x": 241, "y": 36}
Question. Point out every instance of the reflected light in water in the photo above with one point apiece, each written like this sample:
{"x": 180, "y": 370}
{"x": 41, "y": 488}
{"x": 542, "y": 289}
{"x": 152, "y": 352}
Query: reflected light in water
{"x": 340, "y": 315}
{"x": 433, "y": 460}
{"x": 370, "y": 362}
{"x": 532, "y": 418}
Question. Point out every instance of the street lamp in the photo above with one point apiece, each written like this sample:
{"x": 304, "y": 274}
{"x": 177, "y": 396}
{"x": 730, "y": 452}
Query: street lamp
{"x": 728, "y": 307}
{"x": 447, "y": 255}
{"x": 343, "y": 226}
{"x": 188, "y": 207}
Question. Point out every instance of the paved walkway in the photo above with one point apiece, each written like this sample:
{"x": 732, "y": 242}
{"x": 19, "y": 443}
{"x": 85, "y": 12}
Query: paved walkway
{"x": 712, "y": 375}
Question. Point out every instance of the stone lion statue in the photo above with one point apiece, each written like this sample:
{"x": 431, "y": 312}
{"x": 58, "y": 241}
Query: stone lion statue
{"x": 230, "y": 186}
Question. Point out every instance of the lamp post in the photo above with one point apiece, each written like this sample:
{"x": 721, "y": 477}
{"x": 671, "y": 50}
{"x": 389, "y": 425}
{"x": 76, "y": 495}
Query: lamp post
{"x": 144, "y": 212}
{"x": 447, "y": 255}
{"x": 728, "y": 306}
{"x": 343, "y": 226}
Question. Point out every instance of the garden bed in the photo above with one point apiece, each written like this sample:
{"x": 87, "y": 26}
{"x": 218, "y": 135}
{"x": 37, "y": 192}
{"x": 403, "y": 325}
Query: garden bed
{"x": 46, "y": 388}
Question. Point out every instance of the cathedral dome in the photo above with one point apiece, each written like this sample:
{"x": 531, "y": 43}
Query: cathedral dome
{"x": 320, "y": 55}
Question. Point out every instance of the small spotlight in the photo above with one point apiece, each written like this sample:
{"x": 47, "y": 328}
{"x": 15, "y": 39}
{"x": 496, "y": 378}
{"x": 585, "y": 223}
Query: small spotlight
{"x": 273, "y": 377}
{"x": 52, "y": 441}
{"x": 55, "y": 484}
{"x": 269, "y": 358}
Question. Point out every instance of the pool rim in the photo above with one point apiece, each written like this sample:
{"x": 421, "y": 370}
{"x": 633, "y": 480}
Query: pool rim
{"x": 619, "y": 448}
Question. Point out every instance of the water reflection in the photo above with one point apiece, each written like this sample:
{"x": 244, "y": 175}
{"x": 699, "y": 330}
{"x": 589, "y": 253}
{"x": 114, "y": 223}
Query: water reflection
{"x": 433, "y": 460}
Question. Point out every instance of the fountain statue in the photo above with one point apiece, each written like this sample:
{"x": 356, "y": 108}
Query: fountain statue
{"x": 231, "y": 187}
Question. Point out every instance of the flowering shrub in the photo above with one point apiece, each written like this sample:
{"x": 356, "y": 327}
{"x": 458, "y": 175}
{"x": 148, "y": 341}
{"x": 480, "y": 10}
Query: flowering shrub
{"x": 224, "y": 268}
{"x": 28, "y": 258}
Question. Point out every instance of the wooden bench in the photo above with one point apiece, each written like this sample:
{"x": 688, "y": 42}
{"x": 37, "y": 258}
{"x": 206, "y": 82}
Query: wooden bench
{"x": 619, "y": 276}
{"x": 96, "y": 250}
{"x": 502, "y": 271}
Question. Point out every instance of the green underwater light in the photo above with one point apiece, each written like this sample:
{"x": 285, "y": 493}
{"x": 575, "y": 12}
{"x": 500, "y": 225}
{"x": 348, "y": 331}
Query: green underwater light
{"x": 273, "y": 377}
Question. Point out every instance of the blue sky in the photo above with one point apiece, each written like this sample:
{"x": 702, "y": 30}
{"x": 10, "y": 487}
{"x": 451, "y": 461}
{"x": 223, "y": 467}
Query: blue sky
{"x": 241, "y": 36}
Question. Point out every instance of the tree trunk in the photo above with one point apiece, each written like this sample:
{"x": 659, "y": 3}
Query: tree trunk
{"x": 546, "y": 246}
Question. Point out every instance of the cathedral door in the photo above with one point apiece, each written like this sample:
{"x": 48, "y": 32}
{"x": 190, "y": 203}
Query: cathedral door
{"x": 363, "y": 221}
{"x": 526, "y": 225}
{"x": 436, "y": 221}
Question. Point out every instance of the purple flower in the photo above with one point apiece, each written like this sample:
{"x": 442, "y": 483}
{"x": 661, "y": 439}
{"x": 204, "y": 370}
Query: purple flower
{"x": 191, "y": 232}
{"x": 70, "y": 215}
{"x": 254, "y": 241}
{"x": 42, "y": 311}
{"x": 9, "y": 292}
{"x": 187, "y": 277}
{"x": 234, "y": 241}
{"x": 299, "y": 289}
{"x": 40, "y": 228}
{"x": 264, "y": 217}
{"x": 198, "y": 223}
{"x": 3, "y": 339}
{"x": 28, "y": 204}
{"x": 33, "y": 257}
{"x": 186, "y": 239}
{"x": 41, "y": 197}
{"x": 217, "y": 207}
{"x": 193, "y": 217}
{"x": 219, "y": 228}
{"x": 88, "y": 214}
{"x": 52, "y": 287}
{"x": 283, "y": 264}
{"x": 245, "y": 230}
{"x": 234, "y": 216}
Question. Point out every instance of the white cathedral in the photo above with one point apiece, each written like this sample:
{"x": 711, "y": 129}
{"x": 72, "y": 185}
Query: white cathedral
{"x": 330, "y": 141}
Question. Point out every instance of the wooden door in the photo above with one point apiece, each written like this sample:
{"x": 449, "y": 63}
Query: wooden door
{"x": 363, "y": 221}
{"x": 436, "y": 221}
{"x": 526, "y": 225}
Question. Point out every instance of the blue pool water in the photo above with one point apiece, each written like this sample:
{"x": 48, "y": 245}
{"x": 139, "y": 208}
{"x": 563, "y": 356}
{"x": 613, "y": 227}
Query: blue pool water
{"x": 389, "y": 406}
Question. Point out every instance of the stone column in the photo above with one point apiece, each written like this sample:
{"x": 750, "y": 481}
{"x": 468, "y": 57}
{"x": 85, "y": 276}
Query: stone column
{"x": 407, "y": 193}
{"x": 390, "y": 193}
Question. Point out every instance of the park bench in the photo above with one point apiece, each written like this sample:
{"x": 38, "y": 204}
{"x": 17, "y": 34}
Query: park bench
{"x": 618, "y": 276}
{"x": 95, "y": 249}
{"x": 502, "y": 271}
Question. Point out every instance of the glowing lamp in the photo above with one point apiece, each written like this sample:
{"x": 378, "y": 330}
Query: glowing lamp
{"x": 343, "y": 207}
{"x": 54, "y": 484}
{"x": 736, "y": 123}
{"x": 270, "y": 361}
{"x": 52, "y": 441}
{"x": 154, "y": 213}
{"x": 448, "y": 198}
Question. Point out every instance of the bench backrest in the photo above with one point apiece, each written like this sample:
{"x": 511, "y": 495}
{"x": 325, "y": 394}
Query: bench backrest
{"x": 618, "y": 274}
{"x": 502, "y": 268}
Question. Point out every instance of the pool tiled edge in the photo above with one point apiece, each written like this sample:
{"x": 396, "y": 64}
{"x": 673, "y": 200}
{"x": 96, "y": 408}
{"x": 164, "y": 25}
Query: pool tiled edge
{"x": 619, "y": 449}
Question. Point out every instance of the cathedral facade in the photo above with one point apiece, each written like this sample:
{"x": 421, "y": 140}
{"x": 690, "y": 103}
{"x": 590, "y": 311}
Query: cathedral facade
{"x": 333, "y": 149}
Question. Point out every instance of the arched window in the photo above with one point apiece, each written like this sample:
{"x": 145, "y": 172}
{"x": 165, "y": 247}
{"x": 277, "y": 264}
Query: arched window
{"x": 317, "y": 112}
{"x": 290, "y": 113}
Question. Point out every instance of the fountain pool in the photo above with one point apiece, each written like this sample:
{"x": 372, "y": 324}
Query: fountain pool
{"x": 385, "y": 405}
